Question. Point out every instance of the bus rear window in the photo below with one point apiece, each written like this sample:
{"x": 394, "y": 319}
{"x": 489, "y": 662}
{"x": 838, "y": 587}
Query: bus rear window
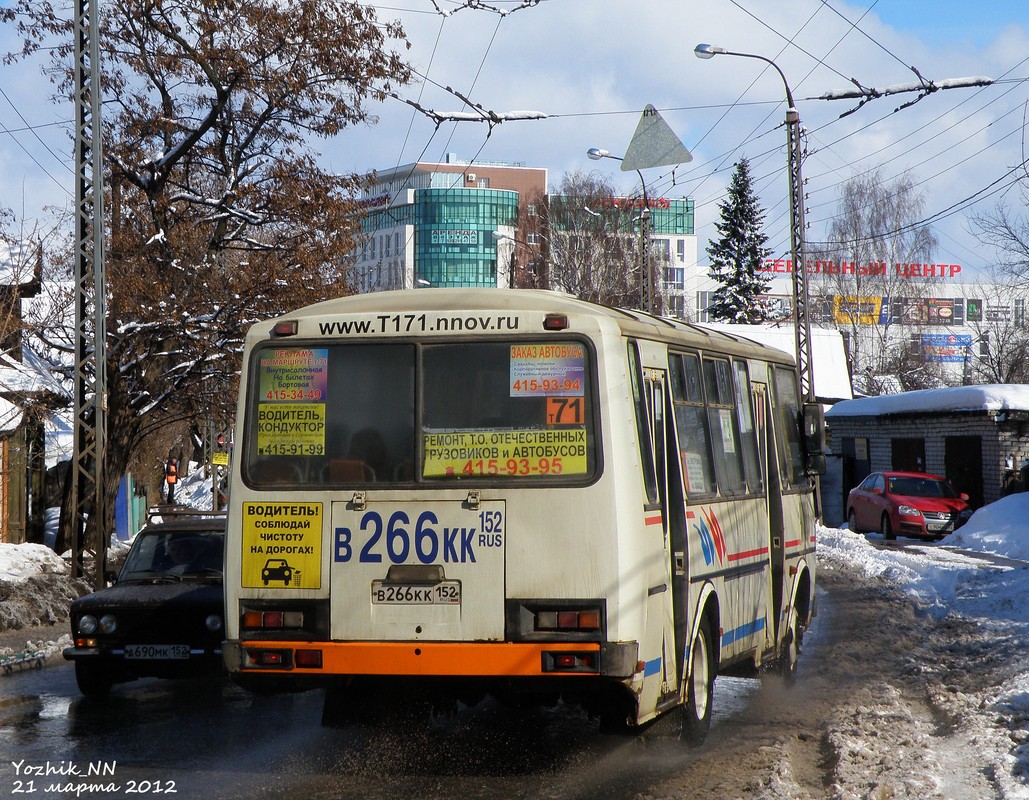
{"x": 401, "y": 413}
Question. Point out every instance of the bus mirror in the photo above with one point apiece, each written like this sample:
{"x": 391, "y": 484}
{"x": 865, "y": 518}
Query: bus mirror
{"x": 814, "y": 439}
{"x": 815, "y": 464}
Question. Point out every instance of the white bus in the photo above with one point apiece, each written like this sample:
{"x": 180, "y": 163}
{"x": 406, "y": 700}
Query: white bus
{"x": 484, "y": 491}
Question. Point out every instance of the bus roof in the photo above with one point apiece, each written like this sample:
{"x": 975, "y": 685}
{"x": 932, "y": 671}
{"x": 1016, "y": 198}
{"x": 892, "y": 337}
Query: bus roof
{"x": 629, "y": 322}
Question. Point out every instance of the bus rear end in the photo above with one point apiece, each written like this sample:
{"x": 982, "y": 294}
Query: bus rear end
{"x": 418, "y": 499}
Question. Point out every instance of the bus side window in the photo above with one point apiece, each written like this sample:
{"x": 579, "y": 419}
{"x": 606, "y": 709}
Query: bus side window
{"x": 691, "y": 424}
{"x": 786, "y": 410}
{"x": 640, "y": 400}
{"x": 748, "y": 432}
{"x": 721, "y": 410}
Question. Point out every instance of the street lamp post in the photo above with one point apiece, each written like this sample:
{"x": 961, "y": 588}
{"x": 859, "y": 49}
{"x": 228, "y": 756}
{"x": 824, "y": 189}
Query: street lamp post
{"x": 646, "y": 273}
{"x": 801, "y": 319}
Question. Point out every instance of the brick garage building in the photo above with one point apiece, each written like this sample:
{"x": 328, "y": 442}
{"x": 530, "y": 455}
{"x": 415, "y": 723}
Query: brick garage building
{"x": 972, "y": 435}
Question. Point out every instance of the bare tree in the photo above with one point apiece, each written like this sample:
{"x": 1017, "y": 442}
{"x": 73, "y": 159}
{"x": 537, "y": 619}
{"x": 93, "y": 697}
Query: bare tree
{"x": 859, "y": 278}
{"x": 908, "y": 365}
{"x": 1007, "y": 232}
{"x": 593, "y": 241}
{"x": 1000, "y": 347}
{"x": 221, "y": 214}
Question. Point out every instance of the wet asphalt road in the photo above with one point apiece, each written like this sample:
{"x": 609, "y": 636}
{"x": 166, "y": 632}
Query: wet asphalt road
{"x": 213, "y": 740}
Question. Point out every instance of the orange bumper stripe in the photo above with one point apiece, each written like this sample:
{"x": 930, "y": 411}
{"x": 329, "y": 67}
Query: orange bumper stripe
{"x": 425, "y": 658}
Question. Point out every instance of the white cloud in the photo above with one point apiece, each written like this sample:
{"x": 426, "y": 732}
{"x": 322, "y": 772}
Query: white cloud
{"x": 592, "y": 65}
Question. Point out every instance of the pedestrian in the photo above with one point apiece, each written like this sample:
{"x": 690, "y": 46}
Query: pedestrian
{"x": 223, "y": 490}
{"x": 171, "y": 476}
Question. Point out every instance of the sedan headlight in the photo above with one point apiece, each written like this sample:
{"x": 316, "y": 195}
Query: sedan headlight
{"x": 910, "y": 511}
{"x": 108, "y": 623}
{"x": 87, "y": 624}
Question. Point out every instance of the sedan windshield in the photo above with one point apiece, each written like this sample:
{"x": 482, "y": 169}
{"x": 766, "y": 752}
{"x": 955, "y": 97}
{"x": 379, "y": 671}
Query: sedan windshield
{"x": 159, "y": 553}
{"x": 921, "y": 487}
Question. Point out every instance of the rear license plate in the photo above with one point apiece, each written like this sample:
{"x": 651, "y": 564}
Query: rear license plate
{"x": 395, "y": 594}
{"x": 157, "y": 651}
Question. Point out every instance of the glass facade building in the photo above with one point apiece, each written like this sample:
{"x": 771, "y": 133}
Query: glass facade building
{"x": 455, "y": 224}
{"x": 439, "y": 224}
{"x": 453, "y": 234}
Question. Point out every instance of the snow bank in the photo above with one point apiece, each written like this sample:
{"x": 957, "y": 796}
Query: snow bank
{"x": 19, "y": 562}
{"x": 1001, "y": 528}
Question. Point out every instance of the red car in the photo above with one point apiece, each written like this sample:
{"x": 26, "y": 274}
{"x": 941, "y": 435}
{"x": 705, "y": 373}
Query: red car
{"x": 906, "y": 503}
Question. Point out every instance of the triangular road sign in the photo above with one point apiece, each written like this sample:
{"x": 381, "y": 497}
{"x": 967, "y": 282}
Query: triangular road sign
{"x": 654, "y": 144}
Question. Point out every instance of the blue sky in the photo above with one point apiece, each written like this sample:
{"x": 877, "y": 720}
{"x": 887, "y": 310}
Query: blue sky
{"x": 592, "y": 65}
{"x": 949, "y": 23}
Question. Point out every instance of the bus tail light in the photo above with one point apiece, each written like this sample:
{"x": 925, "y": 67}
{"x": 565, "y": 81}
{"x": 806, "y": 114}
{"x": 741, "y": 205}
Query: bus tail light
{"x": 286, "y": 327}
{"x": 555, "y": 322}
{"x": 570, "y": 662}
{"x": 556, "y": 619}
{"x": 580, "y": 620}
{"x": 272, "y": 620}
{"x": 268, "y": 657}
{"x": 281, "y": 658}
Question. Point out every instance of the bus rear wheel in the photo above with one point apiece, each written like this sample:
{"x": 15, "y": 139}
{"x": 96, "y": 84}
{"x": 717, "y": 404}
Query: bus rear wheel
{"x": 696, "y": 716}
{"x": 790, "y": 647}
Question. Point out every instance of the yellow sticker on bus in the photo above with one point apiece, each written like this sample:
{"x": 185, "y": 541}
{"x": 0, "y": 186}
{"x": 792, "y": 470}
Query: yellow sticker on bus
{"x": 291, "y": 429}
{"x": 282, "y": 545}
{"x": 505, "y": 453}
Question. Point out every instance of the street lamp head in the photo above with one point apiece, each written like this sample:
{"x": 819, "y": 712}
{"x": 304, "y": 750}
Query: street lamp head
{"x": 707, "y": 50}
{"x": 499, "y": 237}
{"x": 595, "y": 154}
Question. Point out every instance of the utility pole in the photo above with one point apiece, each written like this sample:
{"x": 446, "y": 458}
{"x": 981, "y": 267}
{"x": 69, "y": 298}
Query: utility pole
{"x": 794, "y": 148}
{"x": 801, "y": 315}
{"x": 90, "y": 423}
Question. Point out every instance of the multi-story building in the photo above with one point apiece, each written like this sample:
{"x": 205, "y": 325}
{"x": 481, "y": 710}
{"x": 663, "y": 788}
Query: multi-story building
{"x": 934, "y": 313}
{"x": 481, "y": 224}
{"x": 493, "y": 224}
{"x": 430, "y": 224}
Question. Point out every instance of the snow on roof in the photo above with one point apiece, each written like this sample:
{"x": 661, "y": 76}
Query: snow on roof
{"x": 17, "y": 263}
{"x": 59, "y": 431}
{"x": 31, "y": 375}
{"x": 10, "y": 416}
{"x": 828, "y": 355}
{"x": 987, "y": 397}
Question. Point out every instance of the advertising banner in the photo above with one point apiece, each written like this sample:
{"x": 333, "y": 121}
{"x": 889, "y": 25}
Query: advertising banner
{"x": 945, "y": 348}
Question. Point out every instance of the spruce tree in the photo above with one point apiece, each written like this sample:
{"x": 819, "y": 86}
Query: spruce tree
{"x": 737, "y": 256}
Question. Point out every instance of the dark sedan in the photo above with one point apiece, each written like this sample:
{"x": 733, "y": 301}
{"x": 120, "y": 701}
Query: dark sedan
{"x": 163, "y": 616}
{"x": 907, "y": 503}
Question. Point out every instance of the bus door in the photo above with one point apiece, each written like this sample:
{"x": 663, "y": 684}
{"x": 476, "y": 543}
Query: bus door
{"x": 676, "y": 538}
{"x": 773, "y": 491}
{"x": 662, "y": 612}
